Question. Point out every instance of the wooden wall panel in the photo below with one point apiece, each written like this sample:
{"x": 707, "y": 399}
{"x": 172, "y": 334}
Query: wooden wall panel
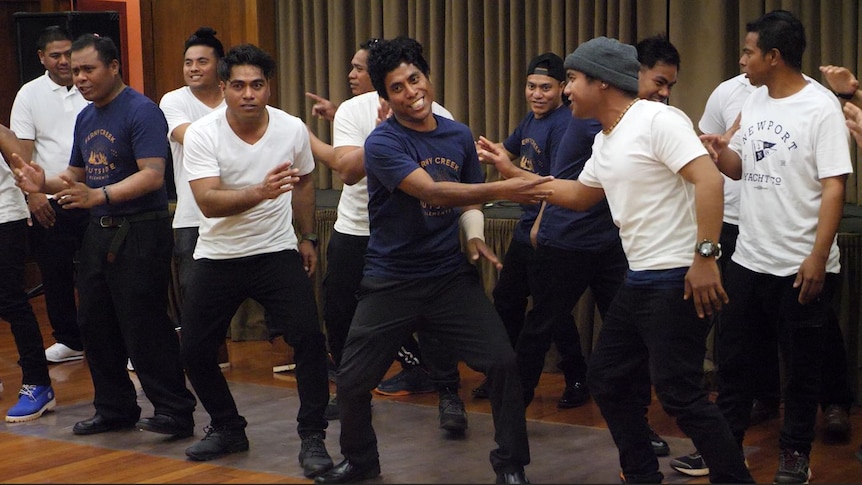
{"x": 235, "y": 21}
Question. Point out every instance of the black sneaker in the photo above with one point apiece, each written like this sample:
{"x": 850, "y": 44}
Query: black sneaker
{"x": 219, "y": 441}
{"x": 836, "y": 424}
{"x": 692, "y": 465}
{"x": 313, "y": 456}
{"x": 452, "y": 416}
{"x": 659, "y": 445}
{"x": 792, "y": 467}
{"x": 574, "y": 396}
{"x": 331, "y": 412}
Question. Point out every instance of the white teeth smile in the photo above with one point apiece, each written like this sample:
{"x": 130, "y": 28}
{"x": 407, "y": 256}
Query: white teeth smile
{"x": 418, "y": 104}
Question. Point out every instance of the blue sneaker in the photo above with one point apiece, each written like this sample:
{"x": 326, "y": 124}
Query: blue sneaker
{"x": 33, "y": 401}
{"x": 414, "y": 380}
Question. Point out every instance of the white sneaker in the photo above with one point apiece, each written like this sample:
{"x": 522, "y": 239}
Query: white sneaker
{"x": 60, "y": 353}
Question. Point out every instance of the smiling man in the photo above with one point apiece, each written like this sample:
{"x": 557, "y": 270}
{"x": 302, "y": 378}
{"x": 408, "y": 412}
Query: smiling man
{"x": 424, "y": 180}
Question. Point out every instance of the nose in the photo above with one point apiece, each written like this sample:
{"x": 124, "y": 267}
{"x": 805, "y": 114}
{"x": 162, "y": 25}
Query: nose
{"x": 664, "y": 92}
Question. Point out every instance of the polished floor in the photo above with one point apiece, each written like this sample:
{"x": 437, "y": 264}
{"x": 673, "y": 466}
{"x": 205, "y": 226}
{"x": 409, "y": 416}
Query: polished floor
{"x": 569, "y": 446}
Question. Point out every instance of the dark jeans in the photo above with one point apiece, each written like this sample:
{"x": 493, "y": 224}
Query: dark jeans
{"x": 123, "y": 314}
{"x": 279, "y": 283}
{"x": 453, "y": 309}
{"x": 54, "y": 249}
{"x": 761, "y": 304}
{"x": 345, "y": 261}
{"x": 561, "y": 278}
{"x": 651, "y": 335}
{"x": 15, "y": 308}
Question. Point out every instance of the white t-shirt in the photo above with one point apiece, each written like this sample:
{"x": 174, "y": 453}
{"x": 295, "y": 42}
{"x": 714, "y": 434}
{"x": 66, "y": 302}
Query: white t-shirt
{"x": 637, "y": 165}
{"x": 722, "y": 108}
{"x": 787, "y": 145}
{"x": 354, "y": 120}
{"x": 13, "y": 206}
{"x": 212, "y": 149}
{"x": 45, "y": 112}
{"x": 180, "y": 107}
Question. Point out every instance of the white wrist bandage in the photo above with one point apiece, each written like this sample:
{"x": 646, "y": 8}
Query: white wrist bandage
{"x": 472, "y": 222}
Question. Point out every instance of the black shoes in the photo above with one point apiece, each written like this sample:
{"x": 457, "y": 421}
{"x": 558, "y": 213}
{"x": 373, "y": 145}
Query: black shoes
{"x": 313, "y": 456}
{"x": 164, "y": 424}
{"x": 512, "y": 477}
{"x": 836, "y": 424}
{"x": 219, "y": 441}
{"x": 452, "y": 416}
{"x": 346, "y": 472}
{"x": 574, "y": 396}
{"x": 659, "y": 445}
{"x": 331, "y": 413}
{"x": 99, "y": 424}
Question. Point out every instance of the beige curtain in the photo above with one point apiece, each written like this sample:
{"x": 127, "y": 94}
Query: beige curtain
{"x": 478, "y": 50}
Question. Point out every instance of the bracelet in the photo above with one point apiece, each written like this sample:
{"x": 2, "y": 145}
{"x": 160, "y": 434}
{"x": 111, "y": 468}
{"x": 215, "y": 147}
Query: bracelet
{"x": 846, "y": 96}
{"x": 105, "y": 191}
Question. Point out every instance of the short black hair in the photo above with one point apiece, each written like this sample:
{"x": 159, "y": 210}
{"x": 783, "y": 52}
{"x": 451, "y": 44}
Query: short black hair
{"x": 655, "y": 49}
{"x": 52, "y": 33}
{"x": 246, "y": 55}
{"x": 782, "y": 31}
{"x": 368, "y": 44}
{"x": 105, "y": 47}
{"x": 205, "y": 36}
{"x": 387, "y": 55}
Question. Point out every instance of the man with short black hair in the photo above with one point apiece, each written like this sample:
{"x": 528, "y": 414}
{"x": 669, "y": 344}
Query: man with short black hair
{"x": 249, "y": 166}
{"x": 423, "y": 176}
{"x": 43, "y": 117}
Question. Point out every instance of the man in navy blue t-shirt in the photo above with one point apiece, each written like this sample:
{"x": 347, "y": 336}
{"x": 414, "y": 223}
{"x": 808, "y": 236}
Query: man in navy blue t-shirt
{"x": 424, "y": 177}
{"x": 117, "y": 171}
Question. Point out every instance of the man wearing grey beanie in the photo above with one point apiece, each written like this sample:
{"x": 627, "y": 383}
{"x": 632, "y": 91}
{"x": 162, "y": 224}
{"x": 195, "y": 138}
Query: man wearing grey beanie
{"x": 665, "y": 194}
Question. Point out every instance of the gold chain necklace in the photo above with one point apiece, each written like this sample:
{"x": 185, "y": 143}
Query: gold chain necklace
{"x": 608, "y": 131}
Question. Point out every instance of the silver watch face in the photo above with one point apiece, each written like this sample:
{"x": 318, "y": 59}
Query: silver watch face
{"x": 706, "y": 248}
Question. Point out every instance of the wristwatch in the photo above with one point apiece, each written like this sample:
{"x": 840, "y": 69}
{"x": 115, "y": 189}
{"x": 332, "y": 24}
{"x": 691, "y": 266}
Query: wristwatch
{"x": 310, "y": 237}
{"x": 707, "y": 248}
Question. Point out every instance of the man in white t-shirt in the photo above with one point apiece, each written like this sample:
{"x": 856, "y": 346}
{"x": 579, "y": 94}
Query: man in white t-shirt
{"x": 199, "y": 97}
{"x": 249, "y": 167}
{"x": 664, "y": 194}
{"x": 719, "y": 117}
{"x": 43, "y": 117}
{"x": 792, "y": 154}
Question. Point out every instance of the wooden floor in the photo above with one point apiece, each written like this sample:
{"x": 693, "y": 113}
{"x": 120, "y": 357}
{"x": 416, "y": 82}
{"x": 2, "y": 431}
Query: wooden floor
{"x": 26, "y": 459}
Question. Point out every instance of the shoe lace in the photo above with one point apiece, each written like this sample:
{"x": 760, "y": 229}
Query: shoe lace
{"x": 313, "y": 446}
{"x": 792, "y": 461}
{"x": 28, "y": 391}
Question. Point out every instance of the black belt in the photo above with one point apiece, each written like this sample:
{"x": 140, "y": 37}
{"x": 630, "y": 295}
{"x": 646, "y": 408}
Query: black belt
{"x": 123, "y": 223}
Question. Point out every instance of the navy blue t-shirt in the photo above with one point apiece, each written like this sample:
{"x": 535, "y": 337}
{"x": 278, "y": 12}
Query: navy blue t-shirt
{"x": 109, "y": 141}
{"x": 536, "y": 141}
{"x": 593, "y": 229}
{"x": 409, "y": 238}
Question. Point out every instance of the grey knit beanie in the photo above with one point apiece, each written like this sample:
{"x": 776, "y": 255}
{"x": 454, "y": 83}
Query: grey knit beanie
{"x": 608, "y": 60}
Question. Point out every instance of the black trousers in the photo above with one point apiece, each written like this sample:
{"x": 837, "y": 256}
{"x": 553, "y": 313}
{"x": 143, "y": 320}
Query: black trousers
{"x": 123, "y": 314}
{"x": 279, "y": 283}
{"x": 762, "y": 304}
{"x": 54, "y": 249}
{"x": 16, "y": 309}
{"x": 345, "y": 260}
{"x": 452, "y": 309}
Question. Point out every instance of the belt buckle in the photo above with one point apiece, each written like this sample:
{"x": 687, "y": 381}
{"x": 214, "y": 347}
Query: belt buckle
{"x": 107, "y": 221}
